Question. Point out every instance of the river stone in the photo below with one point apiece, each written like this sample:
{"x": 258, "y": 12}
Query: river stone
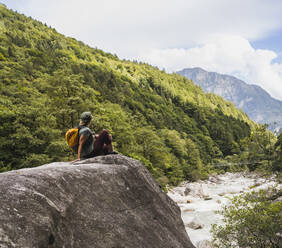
{"x": 207, "y": 198}
{"x": 195, "y": 224}
{"x": 196, "y": 189}
{"x": 104, "y": 202}
{"x": 187, "y": 191}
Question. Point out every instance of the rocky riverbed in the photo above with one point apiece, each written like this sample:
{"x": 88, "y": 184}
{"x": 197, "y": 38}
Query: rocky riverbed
{"x": 198, "y": 201}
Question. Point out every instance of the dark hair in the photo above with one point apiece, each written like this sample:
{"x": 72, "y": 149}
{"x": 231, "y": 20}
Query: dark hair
{"x": 103, "y": 139}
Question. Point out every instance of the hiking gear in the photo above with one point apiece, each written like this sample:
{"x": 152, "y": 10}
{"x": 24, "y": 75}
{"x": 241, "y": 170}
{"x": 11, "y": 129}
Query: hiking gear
{"x": 86, "y": 117}
{"x": 72, "y": 137}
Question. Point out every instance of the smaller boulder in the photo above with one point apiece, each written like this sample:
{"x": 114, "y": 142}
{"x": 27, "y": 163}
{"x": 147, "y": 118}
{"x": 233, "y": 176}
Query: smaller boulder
{"x": 195, "y": 224}
{"x": 187, "y": 191}
{"x": 197, "y": 190}
{"x": 215, "y": 179}
{"x": 189, "y": 210}
{"x": 207, "y": 198}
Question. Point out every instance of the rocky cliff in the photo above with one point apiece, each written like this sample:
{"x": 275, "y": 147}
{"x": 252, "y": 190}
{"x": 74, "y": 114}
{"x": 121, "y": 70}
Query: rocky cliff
{"x": 252, "y": 99}
{"x": 108, "y": 201}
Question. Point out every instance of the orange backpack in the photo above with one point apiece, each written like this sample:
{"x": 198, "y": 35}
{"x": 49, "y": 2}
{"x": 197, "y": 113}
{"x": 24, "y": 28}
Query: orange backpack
{"x": 72, "y": 137}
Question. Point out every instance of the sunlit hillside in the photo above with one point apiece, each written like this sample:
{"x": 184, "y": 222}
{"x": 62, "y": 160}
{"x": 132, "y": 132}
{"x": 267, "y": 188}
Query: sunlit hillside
{"x": 164, "y": 120}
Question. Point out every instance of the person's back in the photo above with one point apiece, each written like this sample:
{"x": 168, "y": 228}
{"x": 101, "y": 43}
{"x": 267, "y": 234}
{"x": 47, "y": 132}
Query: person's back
{"x": 91, "y": 145}
{"x": 88, "y": 145}
{"x": 86, "y": 137}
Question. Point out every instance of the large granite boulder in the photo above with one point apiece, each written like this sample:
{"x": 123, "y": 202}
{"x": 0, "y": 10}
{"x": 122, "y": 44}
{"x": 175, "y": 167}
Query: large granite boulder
{"x": 109, "y": 202}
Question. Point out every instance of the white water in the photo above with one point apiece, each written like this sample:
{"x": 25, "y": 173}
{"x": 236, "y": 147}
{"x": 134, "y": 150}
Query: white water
{"x": 199, "y": 200}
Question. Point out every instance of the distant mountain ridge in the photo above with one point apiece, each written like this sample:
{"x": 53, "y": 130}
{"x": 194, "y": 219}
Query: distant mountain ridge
{"x": 252, "y": 99}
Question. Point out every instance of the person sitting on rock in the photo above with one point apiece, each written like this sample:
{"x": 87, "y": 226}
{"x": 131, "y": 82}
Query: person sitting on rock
{"x": 91, "y": 145}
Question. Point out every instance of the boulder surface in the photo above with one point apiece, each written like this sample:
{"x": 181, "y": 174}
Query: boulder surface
{"x": 104, "y": 202}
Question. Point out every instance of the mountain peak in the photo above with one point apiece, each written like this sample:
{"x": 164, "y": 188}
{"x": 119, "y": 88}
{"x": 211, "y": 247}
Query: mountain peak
{"x": 252, "y": 99}
{"x": 194, "y": 69}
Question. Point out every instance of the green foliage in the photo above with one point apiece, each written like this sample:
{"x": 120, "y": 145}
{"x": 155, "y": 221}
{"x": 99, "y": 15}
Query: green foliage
{"x": 260, "y": 152}
{"x": 164, "y": 120}
{"x": 277, "y": 164}
{"x": 252, "y": 220}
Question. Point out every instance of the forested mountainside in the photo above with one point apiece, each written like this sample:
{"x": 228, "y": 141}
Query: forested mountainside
{"x": 164, "y": 120}
{"x": 252, "y": 99}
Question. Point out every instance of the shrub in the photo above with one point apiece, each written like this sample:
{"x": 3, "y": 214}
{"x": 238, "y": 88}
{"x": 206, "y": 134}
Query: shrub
{"x": 252, "y": 220}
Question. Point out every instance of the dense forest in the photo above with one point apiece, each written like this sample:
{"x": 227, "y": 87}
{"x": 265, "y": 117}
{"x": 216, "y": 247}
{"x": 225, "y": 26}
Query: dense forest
{"x": 47, "y": 80}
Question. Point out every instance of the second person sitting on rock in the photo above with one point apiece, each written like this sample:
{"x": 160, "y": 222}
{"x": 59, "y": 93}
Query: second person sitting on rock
{"x": 91, "y": 145}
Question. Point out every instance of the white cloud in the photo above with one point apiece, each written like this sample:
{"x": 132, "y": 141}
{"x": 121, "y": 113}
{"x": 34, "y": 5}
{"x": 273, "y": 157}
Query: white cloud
{"x": 173, "y": 34}
{"x": 228, "y": 55}
{"x": 131, "y": 27}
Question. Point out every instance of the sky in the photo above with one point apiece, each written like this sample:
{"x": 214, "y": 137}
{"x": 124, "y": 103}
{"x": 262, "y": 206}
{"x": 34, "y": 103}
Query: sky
{"x": 242, "y": 38}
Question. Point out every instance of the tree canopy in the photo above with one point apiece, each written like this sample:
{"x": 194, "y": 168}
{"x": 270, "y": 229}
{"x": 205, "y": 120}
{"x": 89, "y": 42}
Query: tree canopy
{"x": 164, "y": 120}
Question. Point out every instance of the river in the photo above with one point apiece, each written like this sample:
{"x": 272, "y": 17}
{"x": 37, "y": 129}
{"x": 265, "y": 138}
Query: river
{"x": 199, "y": 200}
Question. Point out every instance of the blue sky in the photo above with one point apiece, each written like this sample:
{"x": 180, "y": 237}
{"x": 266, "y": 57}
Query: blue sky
{"x": 236, "y": 37}
{"x": 272, "y": 41}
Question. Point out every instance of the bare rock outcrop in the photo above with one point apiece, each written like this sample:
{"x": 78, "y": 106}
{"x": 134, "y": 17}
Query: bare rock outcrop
{"x": 104, "y": 202}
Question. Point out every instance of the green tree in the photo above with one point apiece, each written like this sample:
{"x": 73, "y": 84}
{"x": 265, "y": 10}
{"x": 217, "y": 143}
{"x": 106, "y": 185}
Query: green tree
{"x": 112, "y": 117}
{"x": 259, "y": 148}
{"x": 68, "y": 97}
{"x": 277, "y": 165}
{"x": 252, "y": 220}
{"x": 47, "y": 80}
{"x": 192, "y": 168}
{"x": 174, "y": 141}
{"x": 28, "y": 138}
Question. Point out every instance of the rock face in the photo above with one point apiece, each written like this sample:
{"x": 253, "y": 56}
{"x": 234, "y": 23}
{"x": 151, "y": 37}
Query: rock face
{"x": 109, "y": 201}
{"x": 252, "y": 99}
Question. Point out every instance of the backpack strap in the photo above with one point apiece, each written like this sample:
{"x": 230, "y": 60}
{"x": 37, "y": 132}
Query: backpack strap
{"x": 79, "y": 128}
